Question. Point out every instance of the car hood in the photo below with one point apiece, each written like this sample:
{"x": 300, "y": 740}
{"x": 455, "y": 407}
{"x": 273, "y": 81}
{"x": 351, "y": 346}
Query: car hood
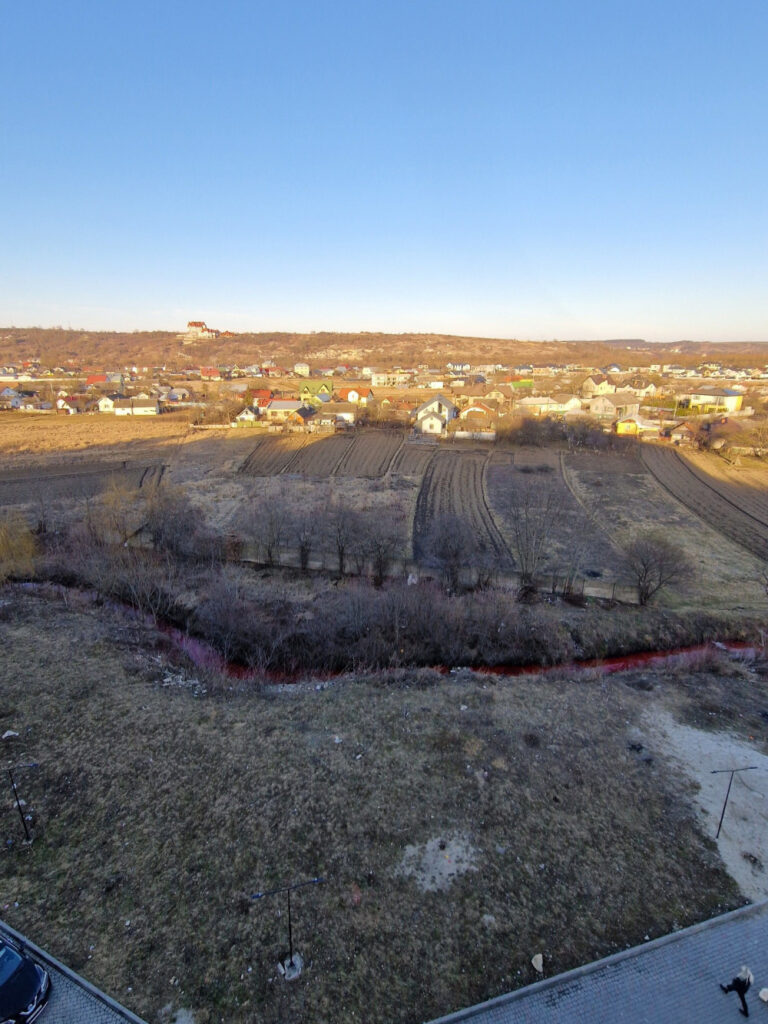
{"x": 19, "y": 990}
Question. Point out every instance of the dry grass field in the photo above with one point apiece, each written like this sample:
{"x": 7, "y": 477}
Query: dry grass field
{"x": 85, "y": 437}
{"x": 625, "y": 499}
{"x": 462, "y": 823}
{"x": 574, "y": 538}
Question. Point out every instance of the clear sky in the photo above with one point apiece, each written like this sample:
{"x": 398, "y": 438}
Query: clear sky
{"x": 516, "y": 168}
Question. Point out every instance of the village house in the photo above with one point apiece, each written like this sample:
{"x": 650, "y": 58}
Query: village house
{"x": 642, "y": 387}
{"x": 504, "y": 394}
{"x": 541, "y": 405}
{"x": 103, "y": 404}
{"x": 316, "y": 391}
{"x": 565, "y": 403}
{"x": 197, "y": 330}
{"x": 596, "y": 384}
{"x": 25, "y": 401}
{"x": 247, "y": 416}
{"x": 477, "y": 416}
{"x": 635, "y": 426}
{"x": 278, "y": 410}
{"x": 684, "y": 433}
{"x": 355, "y": 395}
{"x": 433, "y": 416}
{"x": 71, "y": 404}
{"x": 300, "y": 418}
{"x": 469, "y": 393}
{"x": 343, "y": 413}
{"x": 713, "y": 399}
{"x": 614, "y": 406}
{"x": 389, "y": 379}
{"x": 136, "y": 407}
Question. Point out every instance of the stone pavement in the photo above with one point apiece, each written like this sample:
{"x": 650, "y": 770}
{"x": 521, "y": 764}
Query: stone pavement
{"x": 71, "y": 1004}
{"x": 675, "y": 978}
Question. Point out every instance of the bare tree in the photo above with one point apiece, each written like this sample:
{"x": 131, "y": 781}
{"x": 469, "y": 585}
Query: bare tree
{"x": 656, "y": 562}
{"x": 172, "y": 520}
{"x": 17, "y": 547}
{"x": 534, "y": 512}
{"x": 344, "y": 529}
{"x": 377, "y": 546}
{"x": 302, "y": 529}
{"x": 760, "y": 437}
{"x": 383, "y": 546}
{"x": 450, "y": 546}
{"x": 223, "y": 616}
{"x": 119, "y": 513}
{"x": 264, "y": 521}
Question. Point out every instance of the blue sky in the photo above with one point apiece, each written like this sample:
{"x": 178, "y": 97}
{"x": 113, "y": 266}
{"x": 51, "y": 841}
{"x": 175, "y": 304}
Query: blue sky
{"x": 493, "y": 167}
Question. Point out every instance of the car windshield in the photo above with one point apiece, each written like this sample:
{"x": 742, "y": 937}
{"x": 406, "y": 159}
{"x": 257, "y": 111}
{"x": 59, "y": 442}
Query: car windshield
{"x": 9, "y": 962}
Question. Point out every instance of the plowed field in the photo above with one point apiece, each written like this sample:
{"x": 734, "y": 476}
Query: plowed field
{"x": 371, "y": 455}
{"x": 272, "y": 454}
{"x": 453, "y": 484}
{"x": 736, "y": 510}
{"x": 320, "y": 456}
{"x": 83, "y": 482}
{"x": 413, "y": 458}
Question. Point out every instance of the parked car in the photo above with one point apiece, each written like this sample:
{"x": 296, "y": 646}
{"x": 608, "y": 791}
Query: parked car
{"x": 24, "y": 986}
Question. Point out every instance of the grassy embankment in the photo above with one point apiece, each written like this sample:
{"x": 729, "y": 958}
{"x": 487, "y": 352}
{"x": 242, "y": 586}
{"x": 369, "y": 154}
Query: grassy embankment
{"x": 158, "y": 808}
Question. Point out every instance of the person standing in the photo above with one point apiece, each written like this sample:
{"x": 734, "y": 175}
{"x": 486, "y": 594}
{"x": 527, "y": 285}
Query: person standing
{"x": 740, "y": 985}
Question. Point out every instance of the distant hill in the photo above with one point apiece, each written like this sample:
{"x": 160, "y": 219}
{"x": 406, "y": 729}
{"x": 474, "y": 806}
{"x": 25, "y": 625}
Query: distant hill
{"x": 55, "y": 346}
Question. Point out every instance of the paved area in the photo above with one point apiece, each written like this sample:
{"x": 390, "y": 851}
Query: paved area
{"x": 71, "y": 1004}
{"x": 675, "y": 978}
{"x": 73, "y": 1000}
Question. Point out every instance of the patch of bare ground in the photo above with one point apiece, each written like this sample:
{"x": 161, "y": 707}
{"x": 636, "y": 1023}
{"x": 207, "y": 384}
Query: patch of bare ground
{"x": 627, "y": 500}
{"x": 164, "y": 799}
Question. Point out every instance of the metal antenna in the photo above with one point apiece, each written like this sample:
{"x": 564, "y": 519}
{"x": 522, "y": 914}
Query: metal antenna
{"x": 721, "y": 771}
{"x": 290, "y": 970}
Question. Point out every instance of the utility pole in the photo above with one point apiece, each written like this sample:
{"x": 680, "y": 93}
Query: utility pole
{"x": 733, "y": 771}
{"x": 289, "y": 967}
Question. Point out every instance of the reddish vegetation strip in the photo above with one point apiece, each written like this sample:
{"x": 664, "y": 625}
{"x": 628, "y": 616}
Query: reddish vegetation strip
{"x": 733, "y": 510}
